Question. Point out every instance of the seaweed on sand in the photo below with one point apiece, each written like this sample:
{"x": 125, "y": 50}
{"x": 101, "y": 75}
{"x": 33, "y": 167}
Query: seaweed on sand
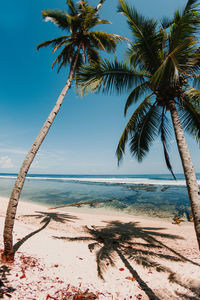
{"x": 72, "y": 293}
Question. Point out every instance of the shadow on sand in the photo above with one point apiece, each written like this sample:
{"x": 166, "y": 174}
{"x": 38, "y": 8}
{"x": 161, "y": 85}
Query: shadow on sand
{"x": 132, "y": 244}
{"x": 5, "y": 289}
{"x": 46, "y": 218}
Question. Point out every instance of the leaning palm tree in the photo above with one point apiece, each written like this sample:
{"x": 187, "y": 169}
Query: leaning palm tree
{"x": 79, "y": 45}
{"x": 163, "y": 68}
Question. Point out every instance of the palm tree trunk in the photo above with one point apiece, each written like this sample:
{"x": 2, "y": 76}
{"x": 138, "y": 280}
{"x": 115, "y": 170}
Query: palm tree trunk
{"x": 8, "y": 254}
{"x": 191, "y": 181}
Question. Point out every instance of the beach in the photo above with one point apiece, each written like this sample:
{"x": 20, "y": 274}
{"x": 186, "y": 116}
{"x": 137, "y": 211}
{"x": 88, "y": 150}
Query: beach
{"x": 99, "y": 252}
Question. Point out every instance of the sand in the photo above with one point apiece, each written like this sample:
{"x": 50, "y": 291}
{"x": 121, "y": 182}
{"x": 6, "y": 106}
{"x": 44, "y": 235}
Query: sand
{"x": 112, "y": 255}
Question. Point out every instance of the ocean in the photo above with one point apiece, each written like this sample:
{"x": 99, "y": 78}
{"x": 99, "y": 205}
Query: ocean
{"x": 156, "y": 195}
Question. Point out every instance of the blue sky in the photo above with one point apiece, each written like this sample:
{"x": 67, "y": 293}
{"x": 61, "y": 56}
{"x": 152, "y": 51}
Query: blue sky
{"x": 85, "y": 134}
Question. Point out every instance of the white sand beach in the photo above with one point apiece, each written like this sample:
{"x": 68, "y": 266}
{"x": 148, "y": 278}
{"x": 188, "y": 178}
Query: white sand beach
{"x": 116, "y": 256}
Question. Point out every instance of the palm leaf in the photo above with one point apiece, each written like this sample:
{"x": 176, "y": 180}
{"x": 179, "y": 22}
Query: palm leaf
{"x": 146, "y": 38}
{"x": 196, "y": 80}
{"x": 145, "y": 133}
{"x": 132, "y": 125}
{"x": 166, "y": 22}
{"x": 135, "y": 94}
{"x": 107, "y": 76}
{"x": 190, "y": 116}
{"x": 72, "y": 7}
{"x": 99, "y": 5}
{"x": 105, "y": 41}
{"x": 171, "y": 68}
{"x": 93, "y": 55}
{"x": 64, "y": 57}
{"x": 194, "y": 95}
{"x": 165, "y": 133}
{"x": 190, "y": 5}
{"x": 185, "y": 24}
{"x": 101, "y": 22}
{"x": 53, "y": 42}
{"x": 68, "y": 41}
{"x": 58, "y": 17}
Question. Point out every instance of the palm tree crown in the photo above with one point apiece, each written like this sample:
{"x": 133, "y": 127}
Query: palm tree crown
{"x": 163, "y": 62}
{"x": 77, "y": 22}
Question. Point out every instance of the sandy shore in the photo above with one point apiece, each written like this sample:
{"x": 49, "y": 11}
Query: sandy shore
{"x": 115, "y": 256}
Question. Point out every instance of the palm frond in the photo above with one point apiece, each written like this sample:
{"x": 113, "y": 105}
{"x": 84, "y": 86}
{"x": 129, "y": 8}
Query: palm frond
{"x": 185, "y": 24}
{"x": 145, "y": 132}
{"x": 53, "y": 42}
{"x": 194, "y": 95}
{"x": 105, "y": 41}
{"x": 196, "y": 80}
{"x": 64, "y": 57}
{"x": 146, "y": 38}
{"x": 72, "y": 7}
{"x": 101, "y": 22}
{"x": 108, "y": 76}
{"x": 190, "y": 119}
{"x": 58, "y": 17}
{"x": 166, "y": 22}
{"x": 135, "y": 95}
{"x": 132, "y": 126}
{"x": 93, "y": 55}
{"x": 88, "y": 16}
{"x": 165, "y": 134}
{"x": 190, "y": 5}
{"x": 172, "y": 66}
{"x": 190, "y": 115}
{"x": 67, "y": 41}
{"x": 99, "y": 5}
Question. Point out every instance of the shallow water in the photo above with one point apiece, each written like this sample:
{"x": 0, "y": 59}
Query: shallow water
{"x": 152, "y": 195}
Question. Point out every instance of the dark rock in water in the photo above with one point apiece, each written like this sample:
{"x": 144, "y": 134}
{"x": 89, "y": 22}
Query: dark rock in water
{"x": 143, "y": 187}
{"x": 151, "y": 189}
{"x": 165, "y": 188}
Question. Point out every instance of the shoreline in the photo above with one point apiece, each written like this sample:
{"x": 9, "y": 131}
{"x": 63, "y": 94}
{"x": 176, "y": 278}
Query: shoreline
{"x": 154, "y": 201}
{"x": 152, "y": 256}
{"x": 103, "y": 209}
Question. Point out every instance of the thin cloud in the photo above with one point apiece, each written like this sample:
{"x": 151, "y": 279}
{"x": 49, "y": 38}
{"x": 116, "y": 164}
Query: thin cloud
{"x": 6, "y": 162}
{"x": 12, "y": 150}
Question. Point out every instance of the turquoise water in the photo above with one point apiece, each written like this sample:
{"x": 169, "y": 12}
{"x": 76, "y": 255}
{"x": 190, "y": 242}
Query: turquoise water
{"x": 153, "y": 195}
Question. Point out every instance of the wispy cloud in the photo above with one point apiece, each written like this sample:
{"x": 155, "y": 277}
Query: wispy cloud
{"x": 12, "y": 150}
{"x": 6, "y": 162}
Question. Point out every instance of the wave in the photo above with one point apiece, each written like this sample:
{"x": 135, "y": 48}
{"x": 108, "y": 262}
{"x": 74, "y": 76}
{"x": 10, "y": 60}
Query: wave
{"x": 106, "y": 180}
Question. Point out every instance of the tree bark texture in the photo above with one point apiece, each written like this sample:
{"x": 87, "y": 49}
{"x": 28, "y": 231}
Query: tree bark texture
{"x": 190, "y": 176}
{"x": 8, "y": 254}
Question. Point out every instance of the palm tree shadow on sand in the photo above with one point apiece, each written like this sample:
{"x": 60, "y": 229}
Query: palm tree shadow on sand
{"x": 5, "y": 289}
{"x": 46, "y": 218}
{"x": 193, "y": 288}
{"x": 131, "y": 243}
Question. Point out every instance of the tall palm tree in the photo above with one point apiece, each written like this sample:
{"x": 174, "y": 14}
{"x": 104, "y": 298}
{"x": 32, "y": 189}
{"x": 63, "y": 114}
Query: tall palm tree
{"x": 80, "y": 45}
{"x": 163, "y": 68}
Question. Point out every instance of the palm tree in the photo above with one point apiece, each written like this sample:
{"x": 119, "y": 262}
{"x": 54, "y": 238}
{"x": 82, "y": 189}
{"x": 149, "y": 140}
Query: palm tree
{"x": 79, "y": 46}
{"x": 164, "y": 62}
